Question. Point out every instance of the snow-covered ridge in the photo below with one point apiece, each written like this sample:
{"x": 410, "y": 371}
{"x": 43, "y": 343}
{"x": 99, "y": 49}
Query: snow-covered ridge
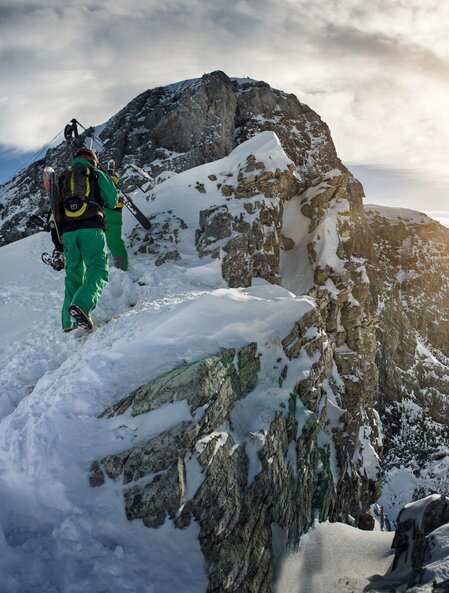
{"x": 192, "y": 82}
{"x": 398, "y": 215}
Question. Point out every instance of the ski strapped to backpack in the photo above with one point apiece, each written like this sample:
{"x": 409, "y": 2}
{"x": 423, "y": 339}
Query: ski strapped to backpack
{"x": 55, "y": 206}
{"x": 138, "y": 214}
{"x": 74, "y": 140}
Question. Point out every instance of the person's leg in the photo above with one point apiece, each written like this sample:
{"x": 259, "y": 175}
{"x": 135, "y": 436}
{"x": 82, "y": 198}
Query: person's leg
{"x": 114, "y": 239}
{"x": 94, "y": 254}
{"x": 74, "y": 274}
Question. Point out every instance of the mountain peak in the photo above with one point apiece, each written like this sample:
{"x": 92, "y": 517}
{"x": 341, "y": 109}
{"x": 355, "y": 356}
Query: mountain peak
{"x": 398, "y": 215}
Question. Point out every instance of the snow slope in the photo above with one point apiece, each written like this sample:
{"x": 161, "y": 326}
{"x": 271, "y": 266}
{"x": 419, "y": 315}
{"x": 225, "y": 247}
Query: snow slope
{"x": 336, "y": 557}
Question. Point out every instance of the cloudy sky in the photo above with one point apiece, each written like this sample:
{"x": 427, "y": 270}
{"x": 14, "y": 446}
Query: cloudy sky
{"x": 377, "y": 72}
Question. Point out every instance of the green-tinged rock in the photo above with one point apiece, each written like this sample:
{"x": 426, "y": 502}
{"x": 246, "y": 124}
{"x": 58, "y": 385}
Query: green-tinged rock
{"x": 198, "y": 383}
{"x": 162, "y": 497}
{"x": 249, "y": 367}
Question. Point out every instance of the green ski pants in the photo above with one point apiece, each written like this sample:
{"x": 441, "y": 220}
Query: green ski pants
{"x": 114, "y": 238}
{"x": 86, "y": 270}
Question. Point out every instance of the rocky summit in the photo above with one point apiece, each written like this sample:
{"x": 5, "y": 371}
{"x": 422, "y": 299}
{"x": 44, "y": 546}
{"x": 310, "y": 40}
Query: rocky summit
{"x": 333, "y": 402}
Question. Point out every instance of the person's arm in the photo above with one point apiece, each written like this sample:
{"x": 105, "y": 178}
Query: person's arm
{"x": 107, "y": 189}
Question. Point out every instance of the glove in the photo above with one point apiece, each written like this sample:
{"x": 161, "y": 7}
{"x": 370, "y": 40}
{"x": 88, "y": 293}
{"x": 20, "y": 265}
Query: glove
{"x": 115, "y": 179}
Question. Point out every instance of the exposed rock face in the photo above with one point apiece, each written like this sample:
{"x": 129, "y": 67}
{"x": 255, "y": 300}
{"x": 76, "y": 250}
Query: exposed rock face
{"x": 410, "y": 280}
{"x": 337, "y": 242}
{"x": 234, "y": 480}
{"x": 250, "y": 239}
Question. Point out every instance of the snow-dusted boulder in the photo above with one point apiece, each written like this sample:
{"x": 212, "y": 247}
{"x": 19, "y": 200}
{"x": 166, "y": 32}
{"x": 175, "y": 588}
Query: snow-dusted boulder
{"x": 421, "y": 543}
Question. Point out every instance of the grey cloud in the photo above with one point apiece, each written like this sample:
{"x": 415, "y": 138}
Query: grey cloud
{"x": 59, "y": 60}
{"x": 386, "y": 49}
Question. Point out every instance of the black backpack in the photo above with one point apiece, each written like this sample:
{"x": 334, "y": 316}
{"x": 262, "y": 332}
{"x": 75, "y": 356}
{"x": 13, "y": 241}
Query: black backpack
{"x": 80, "y": 193}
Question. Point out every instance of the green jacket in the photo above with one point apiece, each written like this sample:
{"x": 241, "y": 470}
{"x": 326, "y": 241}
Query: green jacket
{"x": 107, "y": 187}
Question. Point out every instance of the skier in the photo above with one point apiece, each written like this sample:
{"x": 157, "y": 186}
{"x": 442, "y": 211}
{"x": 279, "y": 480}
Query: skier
{"x": 84, "y": 191}
{"x": 114, "y": 239}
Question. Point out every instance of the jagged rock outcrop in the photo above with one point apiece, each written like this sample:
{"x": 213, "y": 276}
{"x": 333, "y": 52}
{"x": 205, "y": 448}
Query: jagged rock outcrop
{"x": 250, "y": 239}
{"x": 420, "y": 537}
{"x": 337, "y": 244}
{"x": 237, "y": 478}
{"x": 234, "y": 481}
{"x": 253, "y": 229}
